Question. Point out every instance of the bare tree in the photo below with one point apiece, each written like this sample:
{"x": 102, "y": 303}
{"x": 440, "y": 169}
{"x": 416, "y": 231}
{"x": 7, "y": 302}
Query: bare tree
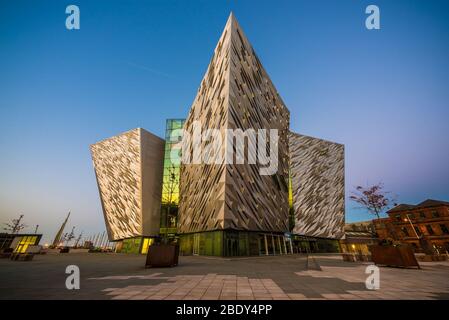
{"x": 15, "y": 226}
{"x": 373, "y": 198}
{"x": 69, "y": 236}
{"x": 78, "y": 239}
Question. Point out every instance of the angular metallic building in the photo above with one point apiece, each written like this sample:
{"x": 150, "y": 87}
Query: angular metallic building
{"x": 235, "y": 93}
{"x": 128, "y": 169}
{"x": 225, "y": 208}
{"x": 318, "y": 186}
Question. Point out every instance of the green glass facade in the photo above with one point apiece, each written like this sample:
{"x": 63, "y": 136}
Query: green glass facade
{"x": 135, "y": 245}
{"x": 170, "y": 183}
{"x": 303, "y": 244}
{"x": 131, "y": 245}
{"x": 170, "y": 191}
{"x": 219, "y": 242}
{"x": 291, "y": 210}
{"x": 231, "y": 243}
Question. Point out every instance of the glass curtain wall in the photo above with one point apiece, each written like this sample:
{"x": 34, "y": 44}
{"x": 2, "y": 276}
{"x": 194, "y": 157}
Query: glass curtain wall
{"x": 170, "y": 184}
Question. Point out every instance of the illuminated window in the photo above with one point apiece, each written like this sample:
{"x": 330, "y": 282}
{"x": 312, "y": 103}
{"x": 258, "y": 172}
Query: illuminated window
{"x": 23, "y": 244}
{"x": 290, "y": 191}
{"x": 147, "y": 242}
{"x": 435, "y": 214}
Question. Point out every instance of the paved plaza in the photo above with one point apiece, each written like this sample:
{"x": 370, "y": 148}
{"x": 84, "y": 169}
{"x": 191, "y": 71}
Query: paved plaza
{"x": 122, "y": 276}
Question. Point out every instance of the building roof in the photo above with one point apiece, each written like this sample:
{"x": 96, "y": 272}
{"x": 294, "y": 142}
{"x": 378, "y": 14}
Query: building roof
{"x": 359, "y": 223}
{"x": 432, "y": 203}
{"x": 402, "y": 207}
{"x": 381, "y": 219}
{"x": 361, "y": 226}
{"x": 359, "y": 234}
{"x": 425, "y": 204}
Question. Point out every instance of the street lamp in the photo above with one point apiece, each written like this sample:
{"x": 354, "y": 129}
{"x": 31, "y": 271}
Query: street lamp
{"x": 411, "y": 224}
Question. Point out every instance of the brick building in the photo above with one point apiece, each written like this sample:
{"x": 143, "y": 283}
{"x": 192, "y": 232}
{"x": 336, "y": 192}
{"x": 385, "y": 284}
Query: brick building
{"x": 425, "y": 226}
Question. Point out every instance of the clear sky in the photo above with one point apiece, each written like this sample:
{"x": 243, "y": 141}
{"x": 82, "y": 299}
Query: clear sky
{"x": 383, "y": 93}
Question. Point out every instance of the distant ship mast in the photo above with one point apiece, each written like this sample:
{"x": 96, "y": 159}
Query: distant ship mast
{"x": 61, "y": 230}
{"x": 78, "y": 240}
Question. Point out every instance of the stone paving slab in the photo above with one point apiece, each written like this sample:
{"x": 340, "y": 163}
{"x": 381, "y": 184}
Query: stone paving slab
{"x": 121, "y": 276}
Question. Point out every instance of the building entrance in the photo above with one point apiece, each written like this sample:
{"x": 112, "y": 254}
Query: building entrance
{"x": 232, "y": 244}
{"x": 196, "y": 244}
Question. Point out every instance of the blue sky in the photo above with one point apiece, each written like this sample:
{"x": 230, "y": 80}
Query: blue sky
{"x": 384, "y": 93}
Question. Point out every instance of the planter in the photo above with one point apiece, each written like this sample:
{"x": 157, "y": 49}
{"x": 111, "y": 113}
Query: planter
{"x": 424, "y": 258}
{"x": 79, "y": 250}
{"x": 162, "y": 255}
{"x": 5, "y": 255}
{"x": 401, "y": 256}
{"x": 439, "y": 258}
{"x": 430, "y": 258}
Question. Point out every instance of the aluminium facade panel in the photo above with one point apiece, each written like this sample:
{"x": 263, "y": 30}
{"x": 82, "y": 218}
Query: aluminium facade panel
{"x": 128, "y": 170}
{"x": 235, "y": 93}
{"x": 317, "y": 181}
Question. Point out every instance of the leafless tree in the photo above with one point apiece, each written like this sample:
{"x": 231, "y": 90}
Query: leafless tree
{"x": 78, "y": 239}
{"x": 373, "y": 198}
{"x": 15, "y": 226}
{"x": 69, "y": 236}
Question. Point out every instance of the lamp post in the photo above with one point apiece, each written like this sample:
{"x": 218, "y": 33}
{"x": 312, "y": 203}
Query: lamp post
{"x": 411, "y": 224}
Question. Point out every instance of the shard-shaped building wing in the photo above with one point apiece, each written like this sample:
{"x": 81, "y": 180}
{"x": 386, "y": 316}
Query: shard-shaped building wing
{"x": 128, "y": 169}
{"x": 235, "y": 93}
{"x": 317, "y": 181}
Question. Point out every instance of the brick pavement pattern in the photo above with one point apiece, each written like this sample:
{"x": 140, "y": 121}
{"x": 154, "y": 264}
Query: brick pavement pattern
{"x": 121, "y": 276}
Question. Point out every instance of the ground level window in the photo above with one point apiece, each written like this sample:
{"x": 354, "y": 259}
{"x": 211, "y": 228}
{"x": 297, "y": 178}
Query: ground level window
{"x": 444, "y": 229}
{"x": 430, "y": 229}
{"x": 404, "y": 230}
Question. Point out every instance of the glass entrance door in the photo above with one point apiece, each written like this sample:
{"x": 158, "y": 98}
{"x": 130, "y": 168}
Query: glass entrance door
{"x": 196, "y": 244}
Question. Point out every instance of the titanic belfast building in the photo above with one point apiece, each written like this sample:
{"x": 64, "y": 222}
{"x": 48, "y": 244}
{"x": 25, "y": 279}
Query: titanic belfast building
{"x": 224, "y": 208}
